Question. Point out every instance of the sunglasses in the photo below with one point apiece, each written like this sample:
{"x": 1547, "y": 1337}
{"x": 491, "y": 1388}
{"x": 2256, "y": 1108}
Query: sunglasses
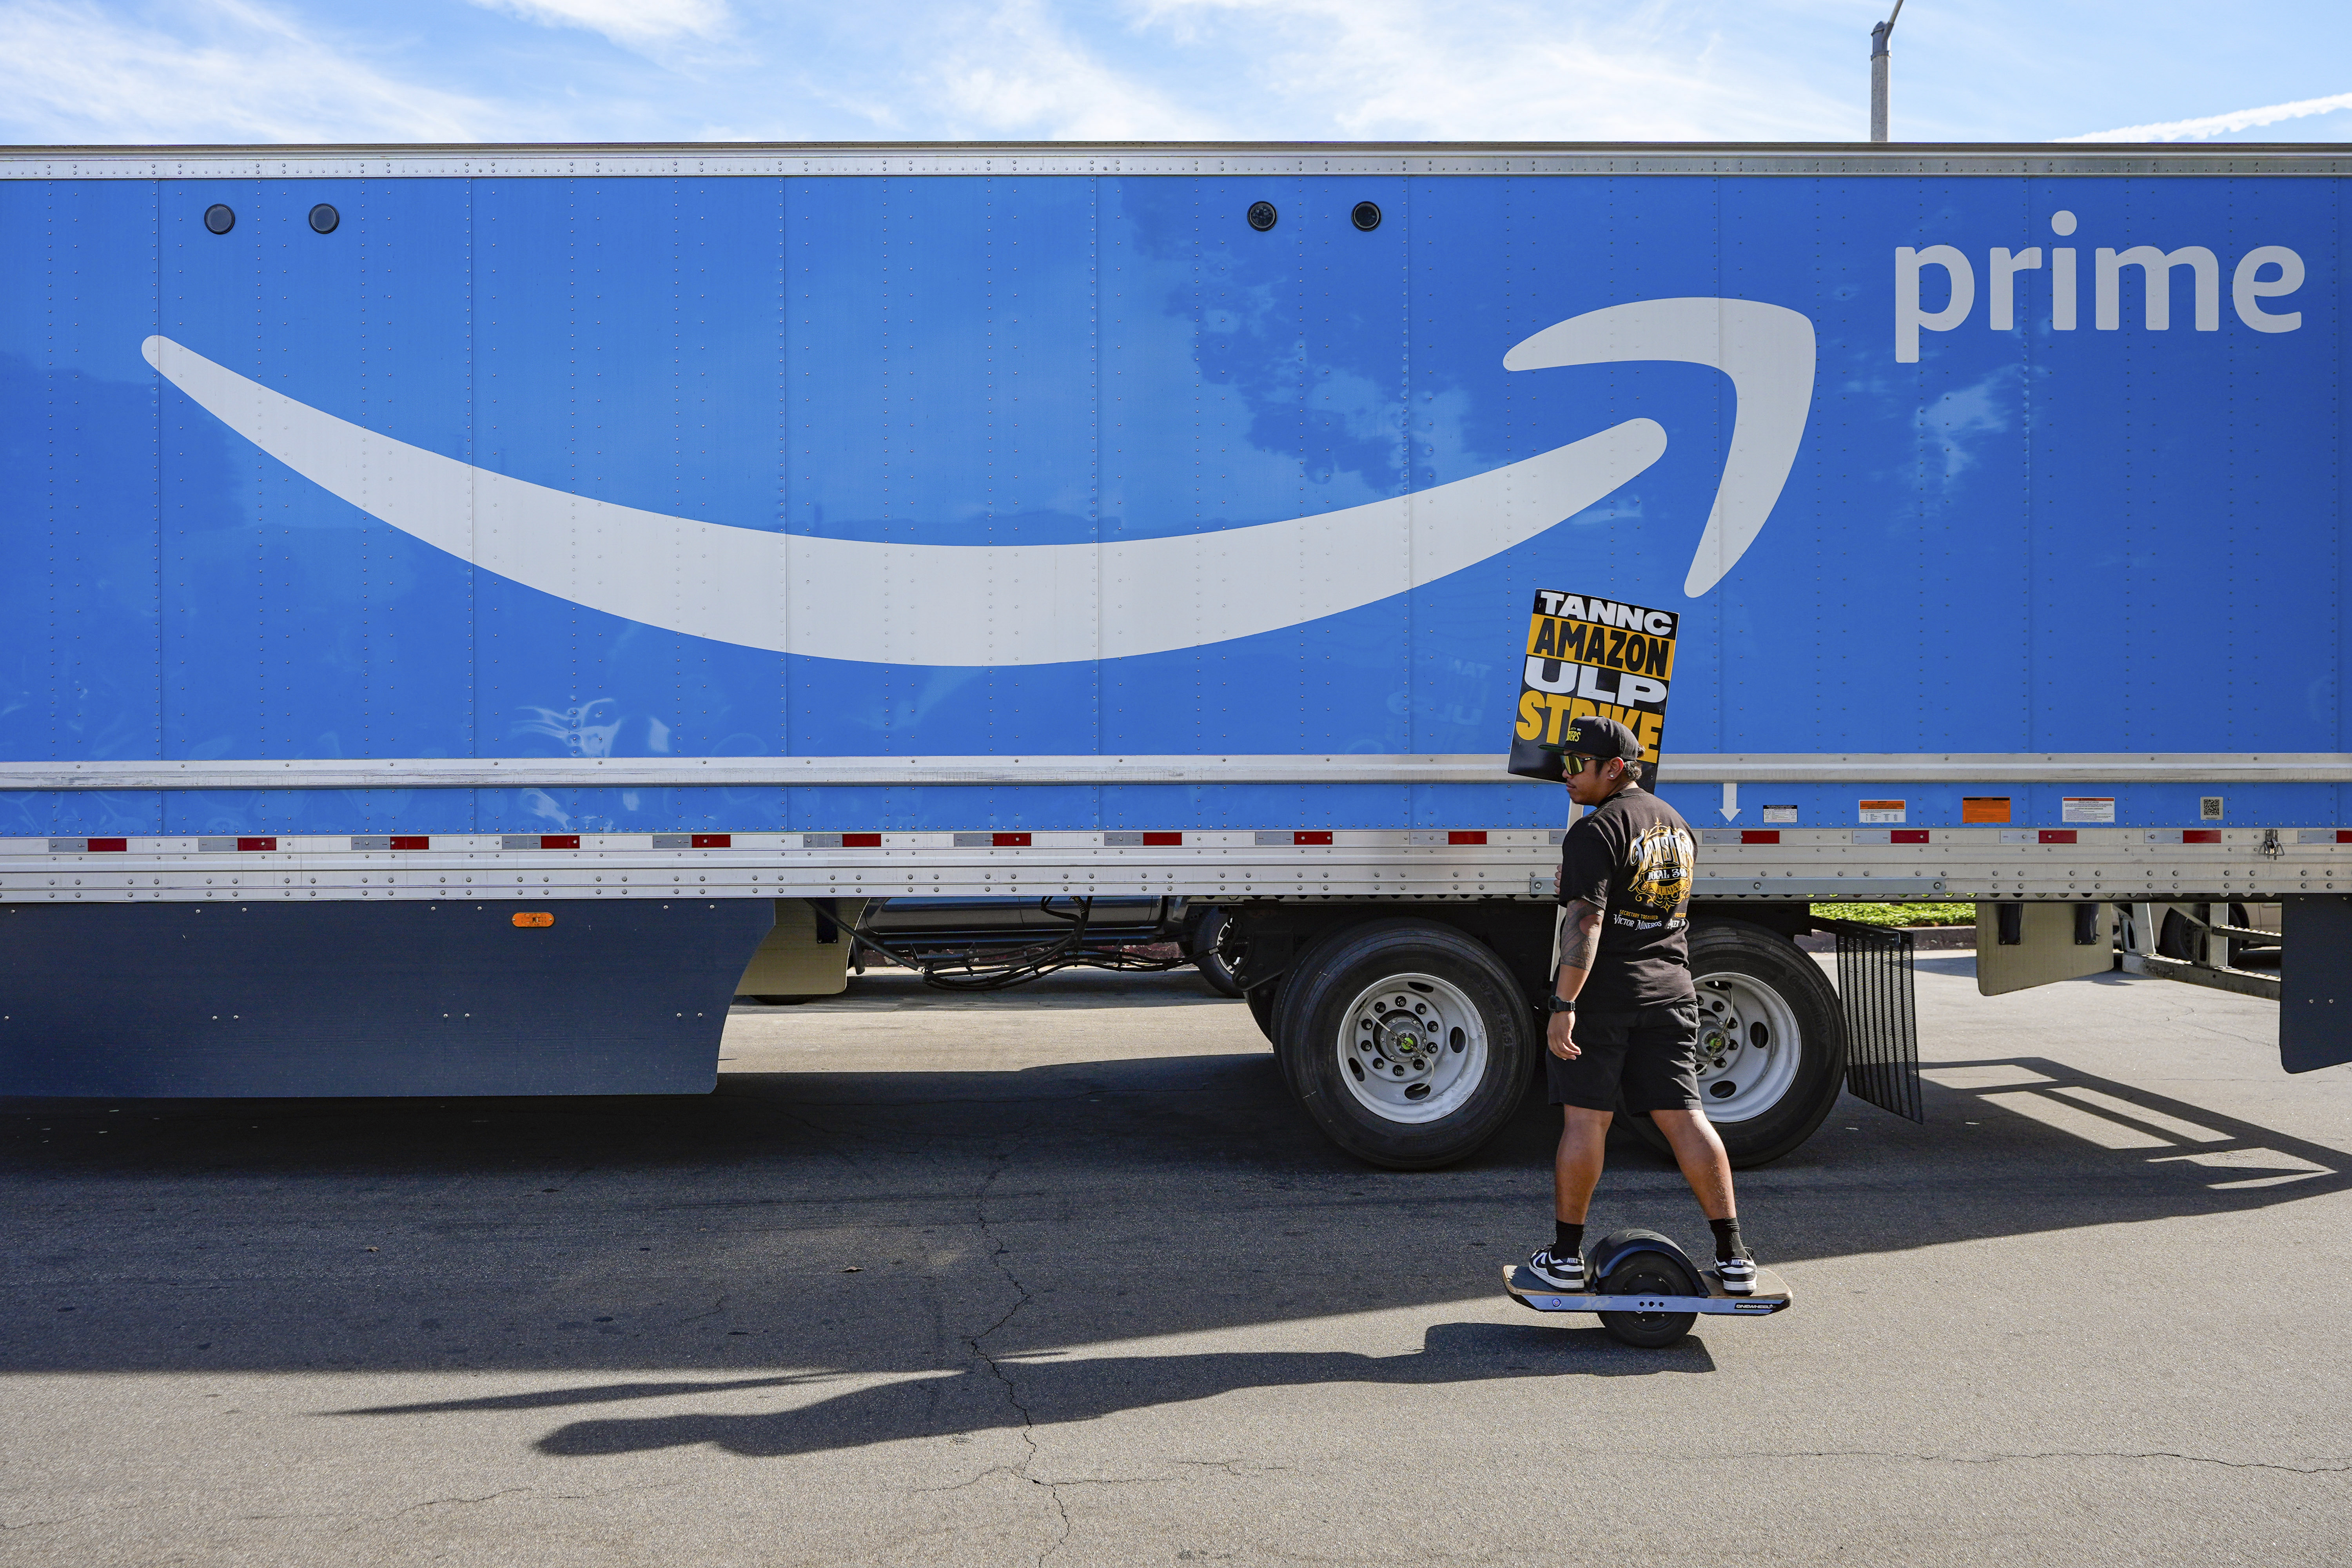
{"x": 1576, "y": 764}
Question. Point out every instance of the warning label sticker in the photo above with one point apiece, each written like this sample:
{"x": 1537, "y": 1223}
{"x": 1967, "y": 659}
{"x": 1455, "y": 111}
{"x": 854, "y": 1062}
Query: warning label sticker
{"x": 1585, "y": 655}
{"x": 2087, "y": 808}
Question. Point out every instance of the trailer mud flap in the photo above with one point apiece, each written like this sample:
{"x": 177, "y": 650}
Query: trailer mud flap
{"x": 1875, "y": 991}
{"x": 270, "y": 999}
{"x": 2316, "y": 984}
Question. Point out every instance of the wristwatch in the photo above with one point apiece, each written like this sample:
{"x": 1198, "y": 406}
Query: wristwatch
{"x": 1552, "y": 1003}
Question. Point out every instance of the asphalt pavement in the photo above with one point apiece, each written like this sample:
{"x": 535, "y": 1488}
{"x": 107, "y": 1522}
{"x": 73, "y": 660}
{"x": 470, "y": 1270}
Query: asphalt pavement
{"x": 1061, "y": 1277}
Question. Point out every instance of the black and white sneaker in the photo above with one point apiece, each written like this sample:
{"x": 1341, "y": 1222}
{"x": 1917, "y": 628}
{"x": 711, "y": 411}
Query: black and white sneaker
{"x": 1738, "y": 1274}
{"x": 1567, "y": 1273}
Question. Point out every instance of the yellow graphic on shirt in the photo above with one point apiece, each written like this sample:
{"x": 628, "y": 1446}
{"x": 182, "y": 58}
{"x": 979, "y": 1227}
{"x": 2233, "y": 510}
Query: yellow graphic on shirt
{"x": 1662, "y": 860}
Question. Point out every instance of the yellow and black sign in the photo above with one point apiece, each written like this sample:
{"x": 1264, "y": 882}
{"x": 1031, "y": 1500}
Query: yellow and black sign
{"x": 1585, "y": 655}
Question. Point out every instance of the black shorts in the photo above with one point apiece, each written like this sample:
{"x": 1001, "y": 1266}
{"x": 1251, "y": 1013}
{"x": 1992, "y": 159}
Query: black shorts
{"x": 1649, "y": 1057}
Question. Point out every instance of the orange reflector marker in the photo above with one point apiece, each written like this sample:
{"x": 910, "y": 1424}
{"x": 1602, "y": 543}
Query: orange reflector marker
{"x": 534, "y": 918}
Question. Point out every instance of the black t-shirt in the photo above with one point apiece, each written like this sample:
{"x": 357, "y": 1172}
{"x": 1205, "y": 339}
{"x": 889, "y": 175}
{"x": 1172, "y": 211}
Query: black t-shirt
{"x": 1633, "y": 856}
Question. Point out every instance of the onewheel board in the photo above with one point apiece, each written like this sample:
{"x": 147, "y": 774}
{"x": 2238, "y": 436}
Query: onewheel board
{"x": 1771, "y": 1296}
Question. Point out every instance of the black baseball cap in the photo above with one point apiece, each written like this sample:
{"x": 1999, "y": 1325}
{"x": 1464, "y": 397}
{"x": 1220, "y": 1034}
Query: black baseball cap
{"x": 1593, "y": 736}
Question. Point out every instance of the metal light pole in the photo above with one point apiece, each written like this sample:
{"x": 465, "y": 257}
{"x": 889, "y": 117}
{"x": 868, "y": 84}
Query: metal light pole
{"x": 1878, "y": 64}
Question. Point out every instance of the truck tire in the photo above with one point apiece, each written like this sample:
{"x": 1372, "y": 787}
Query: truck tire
{"x": 1407, "y": 1042}
{"x": 1771, "y": 1055}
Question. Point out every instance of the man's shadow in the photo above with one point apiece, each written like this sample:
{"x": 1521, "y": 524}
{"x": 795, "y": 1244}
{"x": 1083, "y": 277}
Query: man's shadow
{"x": 1016, "y": 1390}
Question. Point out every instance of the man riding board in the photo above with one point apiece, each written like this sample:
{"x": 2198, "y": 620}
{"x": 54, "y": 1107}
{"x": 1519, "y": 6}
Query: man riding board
{"x": 1624, "y": 1016}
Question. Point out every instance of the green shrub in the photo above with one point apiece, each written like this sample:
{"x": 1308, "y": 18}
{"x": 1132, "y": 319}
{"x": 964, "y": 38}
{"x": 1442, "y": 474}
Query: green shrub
{"x": 1900, "y": 914}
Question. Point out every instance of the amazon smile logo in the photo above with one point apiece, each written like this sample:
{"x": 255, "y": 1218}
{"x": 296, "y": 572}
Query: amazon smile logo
{"x": 1052, "y": 604}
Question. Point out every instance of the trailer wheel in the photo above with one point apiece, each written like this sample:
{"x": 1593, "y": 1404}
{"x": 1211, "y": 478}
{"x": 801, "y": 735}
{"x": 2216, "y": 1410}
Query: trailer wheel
{"x": 1771, "y": 1042}
{"x": 1407, "y": 1042}
{"x": 1208, "y": 945}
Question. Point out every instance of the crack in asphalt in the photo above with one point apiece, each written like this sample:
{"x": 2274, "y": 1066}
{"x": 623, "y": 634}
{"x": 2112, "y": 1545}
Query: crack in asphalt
{"x": 2331, "y": 1468}
{"x": 1239, "y": 1469}
{"x": 533, "y": 1491}
{"x": 453, "y": 1501}
{"x": 1011, "y": 1392}
{"x": 41, "y": 1523}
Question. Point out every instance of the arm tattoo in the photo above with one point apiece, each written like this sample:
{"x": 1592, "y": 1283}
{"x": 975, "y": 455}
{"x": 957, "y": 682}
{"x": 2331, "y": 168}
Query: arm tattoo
{"x": 1579, "y": 937}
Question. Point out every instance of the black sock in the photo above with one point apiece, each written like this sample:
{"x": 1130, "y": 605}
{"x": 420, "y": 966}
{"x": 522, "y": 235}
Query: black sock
{"x": 1568, "y": 1241}
{"x": 1727, "y": 1243}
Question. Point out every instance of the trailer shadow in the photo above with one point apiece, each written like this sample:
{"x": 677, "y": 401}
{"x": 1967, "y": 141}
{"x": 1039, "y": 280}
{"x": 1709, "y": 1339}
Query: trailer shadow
{"x": 935, "y": 1250}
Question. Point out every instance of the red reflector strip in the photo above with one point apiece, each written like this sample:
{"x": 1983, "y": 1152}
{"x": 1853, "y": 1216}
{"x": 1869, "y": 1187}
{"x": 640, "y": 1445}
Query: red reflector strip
{"x": 1907, "y": 836}
{"x": 1307, "y": 838}
{"x": 1009, "y": 840}
{"x": 861, "y": 841}
{"x": 256, "y": 844}
{"x": 1759, "y": 835}
{"x": 559, "y": 841}
{"x": 2200, "y": 835}
{"x": 1163, "y": 840}
{"x": 2344, "y": 836}
{"x": 714, "y": 841}
{"x": 2057, "y": 836}
{"x": 106, "y": 846}
{"x": 417, "y": 841}
{"x": 1466, "y": 835}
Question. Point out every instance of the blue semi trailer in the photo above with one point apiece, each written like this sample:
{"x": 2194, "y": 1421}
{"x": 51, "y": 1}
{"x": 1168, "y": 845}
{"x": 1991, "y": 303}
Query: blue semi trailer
{"x": 469, "y": 613}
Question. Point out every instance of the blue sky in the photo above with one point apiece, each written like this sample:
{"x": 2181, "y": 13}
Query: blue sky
{"x": 590, "y": 70}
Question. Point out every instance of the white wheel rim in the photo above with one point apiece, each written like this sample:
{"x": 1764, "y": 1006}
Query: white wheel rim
{"x": 1749, "y": 1047}
{"x": 1412, "y": 1048}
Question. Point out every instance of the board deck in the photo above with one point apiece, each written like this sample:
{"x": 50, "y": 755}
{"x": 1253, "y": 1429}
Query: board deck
{"x": 1772, "y": 1295}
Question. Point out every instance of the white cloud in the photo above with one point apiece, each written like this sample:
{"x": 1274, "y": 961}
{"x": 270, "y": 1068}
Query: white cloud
{"x": 2220, "y": 124}
{"x": 1511, "y": 71}
{"x": 72, "y": 73}
{"x": 1012, "y": 70}
{"x": 633, "y": 24}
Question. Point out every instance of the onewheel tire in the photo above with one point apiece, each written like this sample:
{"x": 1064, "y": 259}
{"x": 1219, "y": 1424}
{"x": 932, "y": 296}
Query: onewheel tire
{"x": 1649, "y": 1274}
{"x": 1771, "y": 1042}
{"x": 1407, "y": 1042}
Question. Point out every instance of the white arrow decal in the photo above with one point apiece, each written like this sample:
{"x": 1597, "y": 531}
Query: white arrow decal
{"x": 1768, "y": 353}
{"x": 1730, "y": 806}
{"x": 960, "y": 604}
